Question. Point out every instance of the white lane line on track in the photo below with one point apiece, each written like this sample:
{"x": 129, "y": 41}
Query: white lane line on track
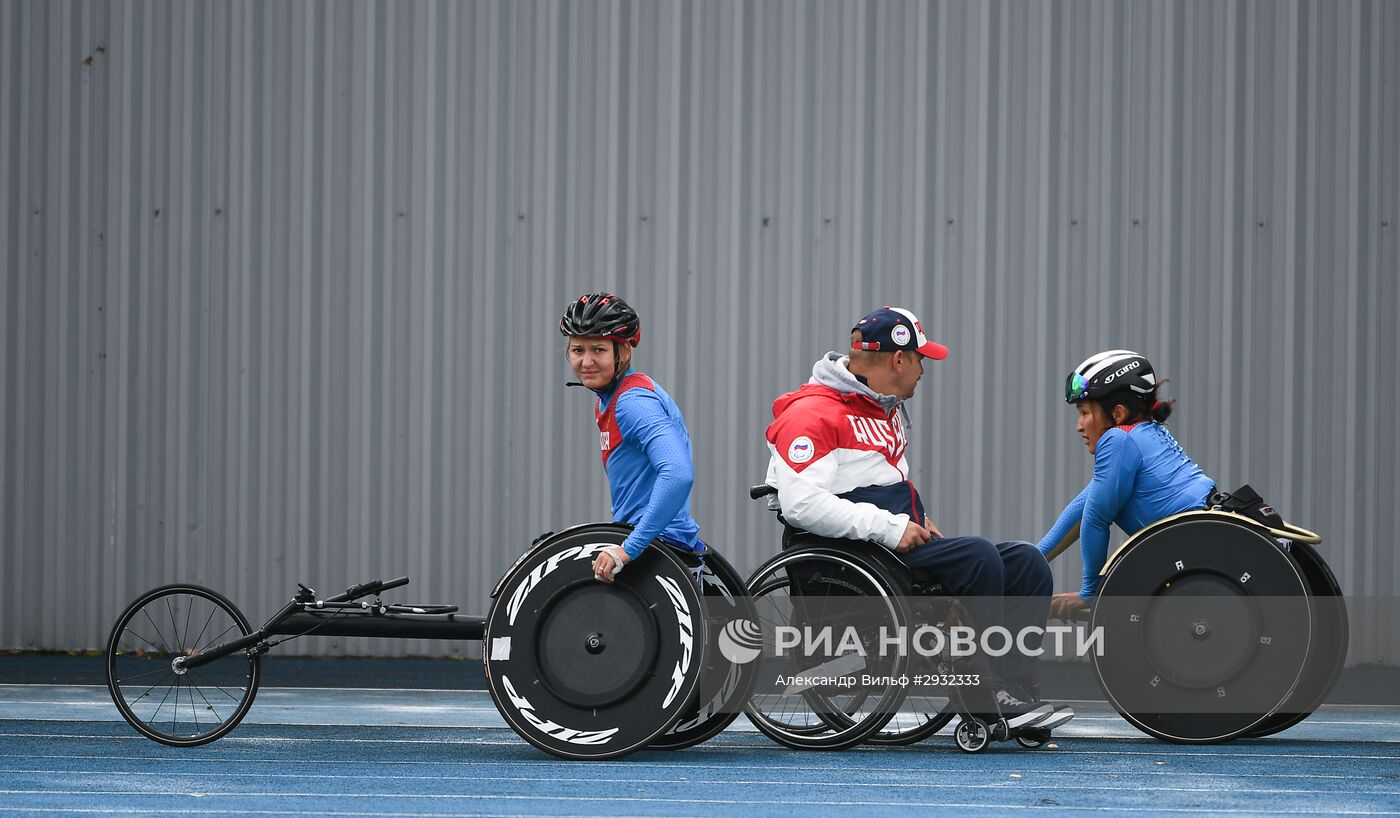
{"x": 1079, "y": 718}
{"x": 725, "y": 801}
{"x": 634, "y": 764}
{"x": 1085, "y": 705}
{"x": 1113, "y": 724}
{"x": 318, "y": 812}
{"x": 1002, "y": 784}
{"x": 1313, "y": 721}
{"x": 712, "y": 747}
{"x": 266, "y": 709}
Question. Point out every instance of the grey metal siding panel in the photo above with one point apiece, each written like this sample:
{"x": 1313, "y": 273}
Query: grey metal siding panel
{"x": 279, "y": 278}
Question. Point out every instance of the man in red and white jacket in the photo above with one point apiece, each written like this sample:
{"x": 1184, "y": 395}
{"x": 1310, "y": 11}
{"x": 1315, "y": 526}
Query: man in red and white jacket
{"x": 837, "y": 460}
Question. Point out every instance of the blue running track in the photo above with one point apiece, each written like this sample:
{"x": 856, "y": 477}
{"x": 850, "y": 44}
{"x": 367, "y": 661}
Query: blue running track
{"x": 346, "y": 752}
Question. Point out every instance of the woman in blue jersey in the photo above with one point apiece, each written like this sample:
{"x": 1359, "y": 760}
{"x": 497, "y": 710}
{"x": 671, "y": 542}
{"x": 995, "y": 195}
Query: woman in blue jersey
{"x": 1141, "y": 474}
{"x": 642, "y": 436}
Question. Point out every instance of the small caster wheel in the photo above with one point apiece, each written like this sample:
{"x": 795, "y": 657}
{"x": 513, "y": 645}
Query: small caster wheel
{"x": 972, "y": 736}
{"x": 1031, "y": 739}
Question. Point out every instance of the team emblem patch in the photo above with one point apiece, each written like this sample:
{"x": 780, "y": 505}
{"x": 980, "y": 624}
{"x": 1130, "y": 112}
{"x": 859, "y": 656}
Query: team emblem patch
{"x": 900, "y": 335}
{"x": 801, "y": 450}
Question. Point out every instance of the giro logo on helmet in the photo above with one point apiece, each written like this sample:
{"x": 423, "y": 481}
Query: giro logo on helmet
{"x": 1125, "y": 370}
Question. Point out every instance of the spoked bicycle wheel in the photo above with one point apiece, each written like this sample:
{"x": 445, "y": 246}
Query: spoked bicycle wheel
{"x": 921, "y": 715}
{"x": 824, "y": 701}
{"x": 185, "y": 707}
{"x": 929, "y": 706}
{"x": 919, "y": 718}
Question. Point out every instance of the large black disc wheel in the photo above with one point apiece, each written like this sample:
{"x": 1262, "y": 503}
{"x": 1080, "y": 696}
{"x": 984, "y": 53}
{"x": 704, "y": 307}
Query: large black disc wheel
{"x": 584, "y": 669}
{"x": 1206, "y": 629}
{"x": 1328, "y": 650}
{"x": 724, "y": 684}
{"x": 166, "y": 702}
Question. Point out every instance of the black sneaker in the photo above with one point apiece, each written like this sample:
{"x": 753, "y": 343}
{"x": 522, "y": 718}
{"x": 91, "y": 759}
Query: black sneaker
{"x": 1018, "y": 714}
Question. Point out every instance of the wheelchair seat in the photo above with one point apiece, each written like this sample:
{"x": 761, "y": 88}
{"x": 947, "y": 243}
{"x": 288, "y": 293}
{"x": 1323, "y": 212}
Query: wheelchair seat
{"x": 916, "y": 581}
{"x": 913, "y": 581}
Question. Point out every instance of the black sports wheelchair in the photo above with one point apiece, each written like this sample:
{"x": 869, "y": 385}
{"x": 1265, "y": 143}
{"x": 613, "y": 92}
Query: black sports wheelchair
{"x": 587, "y": 670}
{"x": 579, "y": 668}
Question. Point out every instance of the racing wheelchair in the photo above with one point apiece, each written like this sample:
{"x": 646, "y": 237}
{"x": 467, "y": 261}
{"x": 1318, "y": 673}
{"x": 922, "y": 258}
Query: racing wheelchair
{"x": 1219, "y": 624}
{"x": 1216, "y": 625}
{"x": 578, "y": 668}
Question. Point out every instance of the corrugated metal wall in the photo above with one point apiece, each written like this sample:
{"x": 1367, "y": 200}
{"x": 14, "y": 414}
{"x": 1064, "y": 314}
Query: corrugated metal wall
{"x": 280, "y": 278}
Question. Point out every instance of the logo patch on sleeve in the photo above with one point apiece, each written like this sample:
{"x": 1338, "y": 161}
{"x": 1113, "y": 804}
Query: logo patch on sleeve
{"x": 801, "y": 450}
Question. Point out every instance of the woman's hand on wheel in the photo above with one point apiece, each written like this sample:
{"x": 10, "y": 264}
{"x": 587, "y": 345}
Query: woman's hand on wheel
{"x": 1068, "y": 607}
{"x": 608, "y": 562}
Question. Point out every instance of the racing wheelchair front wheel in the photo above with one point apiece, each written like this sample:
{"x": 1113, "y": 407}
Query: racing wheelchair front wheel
{"x": 166, "y": 702}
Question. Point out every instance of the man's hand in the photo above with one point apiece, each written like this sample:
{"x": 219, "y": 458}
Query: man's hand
{"x": 915, "y": 535}
{"x": 1069, "y": 607}
{"x": 608, "y": 562}
{"x": 933, "y": 529}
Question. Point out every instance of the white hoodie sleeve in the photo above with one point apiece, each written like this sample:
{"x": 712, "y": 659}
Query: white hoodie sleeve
{"x": 806, "y": 502}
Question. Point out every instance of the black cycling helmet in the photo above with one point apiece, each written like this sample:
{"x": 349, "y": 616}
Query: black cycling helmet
{"x": 601, "y": 315}
{"x": 1108, "y": 373}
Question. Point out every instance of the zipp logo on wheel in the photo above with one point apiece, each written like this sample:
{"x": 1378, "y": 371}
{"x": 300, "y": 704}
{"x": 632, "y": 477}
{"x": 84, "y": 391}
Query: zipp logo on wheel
{"x": 544, "y": 569}
{"x": 550, "y": 728}
{"x": 687, "y": 637}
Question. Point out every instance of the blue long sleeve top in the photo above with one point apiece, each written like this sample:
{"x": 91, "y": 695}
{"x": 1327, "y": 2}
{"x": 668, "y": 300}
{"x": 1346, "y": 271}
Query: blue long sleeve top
{"x": 1141, "y": 474}
{"x": 650, "y": 470}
